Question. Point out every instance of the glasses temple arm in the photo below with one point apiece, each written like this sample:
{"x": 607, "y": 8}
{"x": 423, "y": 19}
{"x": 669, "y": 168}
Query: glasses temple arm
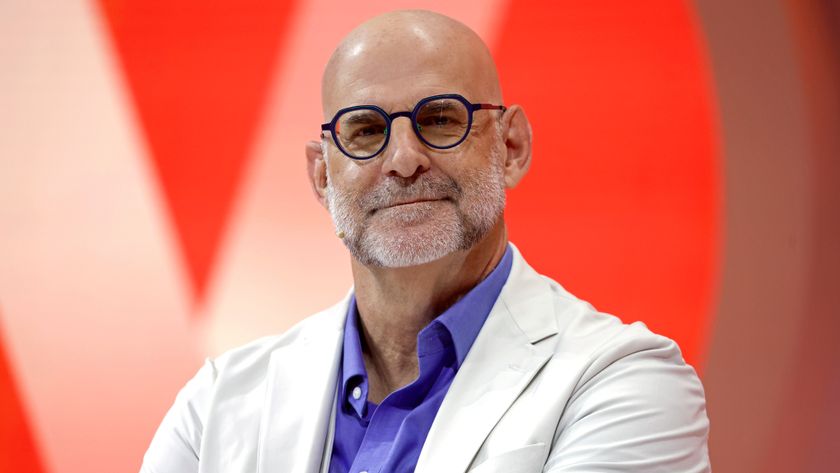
{"x": 487, "y": 106}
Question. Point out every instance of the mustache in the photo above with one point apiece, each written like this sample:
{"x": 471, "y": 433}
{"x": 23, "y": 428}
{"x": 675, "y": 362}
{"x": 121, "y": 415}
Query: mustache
{"x": 397, "y": 190}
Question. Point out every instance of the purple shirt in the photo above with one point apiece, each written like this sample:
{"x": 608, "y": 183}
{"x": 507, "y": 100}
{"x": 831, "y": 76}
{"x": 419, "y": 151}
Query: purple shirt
{"x": 388, "y": 437}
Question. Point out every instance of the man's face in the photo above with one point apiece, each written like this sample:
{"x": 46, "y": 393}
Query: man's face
{"x": 412, "y": 204}
{"x": 393, "y": 220}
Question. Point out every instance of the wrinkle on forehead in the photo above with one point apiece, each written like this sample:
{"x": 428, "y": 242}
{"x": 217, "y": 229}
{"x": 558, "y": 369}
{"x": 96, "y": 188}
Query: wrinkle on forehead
{"x": 401, "y": 55}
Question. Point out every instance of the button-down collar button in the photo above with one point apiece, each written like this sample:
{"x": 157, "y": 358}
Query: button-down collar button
{"x": 357, "y": 393}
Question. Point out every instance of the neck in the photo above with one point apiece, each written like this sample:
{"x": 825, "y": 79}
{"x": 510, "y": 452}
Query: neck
{"x": 396, "y": 303}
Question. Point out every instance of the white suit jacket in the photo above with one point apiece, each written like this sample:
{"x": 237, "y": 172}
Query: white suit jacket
{"x": 550, "y": 385}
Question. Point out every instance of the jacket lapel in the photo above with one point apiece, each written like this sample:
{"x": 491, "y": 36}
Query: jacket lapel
{"x": 300, "y": 393}
{"x": 504, "y": 359}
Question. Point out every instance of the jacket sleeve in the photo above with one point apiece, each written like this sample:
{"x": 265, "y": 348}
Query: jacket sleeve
{"x": 175, "y": 448}
{"x": 638, "y": 408}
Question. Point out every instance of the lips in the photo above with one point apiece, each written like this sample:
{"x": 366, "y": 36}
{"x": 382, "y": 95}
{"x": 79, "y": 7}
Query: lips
{"x": 413, "y": 201}
{"x": 401, "y": 203}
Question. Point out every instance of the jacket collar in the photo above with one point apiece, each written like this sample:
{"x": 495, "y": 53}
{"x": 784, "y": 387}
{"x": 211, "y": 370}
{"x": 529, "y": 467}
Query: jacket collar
{"x": 295, "y": 431}
{"x": 510, "y": 349}
{"x": 295, "y": 427}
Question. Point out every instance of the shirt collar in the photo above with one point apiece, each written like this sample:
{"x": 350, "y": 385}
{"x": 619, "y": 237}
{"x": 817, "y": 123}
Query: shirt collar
{"x": 353, "y": 366}
{"x": 463, "y": 320}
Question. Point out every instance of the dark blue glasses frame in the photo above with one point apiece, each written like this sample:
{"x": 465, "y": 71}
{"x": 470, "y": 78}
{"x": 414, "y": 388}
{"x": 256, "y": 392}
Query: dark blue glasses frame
{"x": 412, "y": 115}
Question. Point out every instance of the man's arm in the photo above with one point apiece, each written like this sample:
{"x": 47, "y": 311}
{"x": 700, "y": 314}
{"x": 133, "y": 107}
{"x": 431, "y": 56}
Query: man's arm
{"x": 176, "y": 445}
{"x": 643, "y": 412}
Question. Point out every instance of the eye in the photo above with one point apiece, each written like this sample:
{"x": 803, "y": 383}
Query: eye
{"x": 441, "y": 115}
{"x": 369, "y": 130}
{"x": 438, "y": 120}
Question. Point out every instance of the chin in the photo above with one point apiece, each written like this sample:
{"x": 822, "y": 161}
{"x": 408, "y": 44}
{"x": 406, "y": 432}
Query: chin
{"x": 411, "y": 245}
{"x": 405, "y": 259}
{"x": 418, "y": 234}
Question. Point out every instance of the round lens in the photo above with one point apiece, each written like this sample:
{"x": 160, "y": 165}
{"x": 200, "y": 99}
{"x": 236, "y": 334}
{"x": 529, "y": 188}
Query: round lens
{"x": 361, "y": 133}
{"x": 443, "y": 122}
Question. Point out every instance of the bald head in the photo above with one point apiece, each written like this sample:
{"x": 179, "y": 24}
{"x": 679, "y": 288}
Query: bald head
{"x": 399, "y": 57}
{"x": 394, "y": 61}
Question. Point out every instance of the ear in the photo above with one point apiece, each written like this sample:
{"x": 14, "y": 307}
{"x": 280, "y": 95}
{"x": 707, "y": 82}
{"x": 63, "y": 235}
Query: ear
{"x": 316, "y": 170}
{"x": 517, "y": 136}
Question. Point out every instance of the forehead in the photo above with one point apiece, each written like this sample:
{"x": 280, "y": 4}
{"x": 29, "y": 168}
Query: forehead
{"x": 395, "y": 77}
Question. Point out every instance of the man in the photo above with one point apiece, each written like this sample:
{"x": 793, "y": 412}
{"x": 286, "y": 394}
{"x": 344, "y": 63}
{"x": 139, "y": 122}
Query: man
{"x": 450, "y": 354}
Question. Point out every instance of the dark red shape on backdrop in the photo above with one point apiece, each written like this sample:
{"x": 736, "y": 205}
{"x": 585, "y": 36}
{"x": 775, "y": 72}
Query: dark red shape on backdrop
{"x": 198, "y": 72}
{"x": 622, "y": 201}
{"x": 17, "y": 446}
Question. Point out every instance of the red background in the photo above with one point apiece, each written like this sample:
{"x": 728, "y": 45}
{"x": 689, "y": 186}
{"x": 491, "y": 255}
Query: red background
{"x": 682, "y": 176}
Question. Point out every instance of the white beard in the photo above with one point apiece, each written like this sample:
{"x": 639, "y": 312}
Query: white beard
{"x": 418, "y": 233}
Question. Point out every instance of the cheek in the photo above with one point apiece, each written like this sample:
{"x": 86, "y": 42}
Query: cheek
{"x": 475, "y": 155}
{"x": 355, "y": 173}
{"x": 351, "y": 178}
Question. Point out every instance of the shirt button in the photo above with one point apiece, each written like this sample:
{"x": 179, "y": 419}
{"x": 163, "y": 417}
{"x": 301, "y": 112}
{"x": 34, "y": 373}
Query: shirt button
{"x": 357, "y": 393}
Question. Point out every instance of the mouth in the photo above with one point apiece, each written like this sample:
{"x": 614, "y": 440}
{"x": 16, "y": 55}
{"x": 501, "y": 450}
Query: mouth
{"x": 409, "y": 202}
{"x": 412, "y": 201}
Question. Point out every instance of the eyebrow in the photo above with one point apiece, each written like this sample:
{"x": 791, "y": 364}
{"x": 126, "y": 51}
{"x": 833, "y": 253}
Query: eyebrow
{"x": 439, "y": 106}
{"x": 362, "y": 117}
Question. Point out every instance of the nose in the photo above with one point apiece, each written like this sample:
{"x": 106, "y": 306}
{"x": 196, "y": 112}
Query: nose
{"x": 405, "y": 156}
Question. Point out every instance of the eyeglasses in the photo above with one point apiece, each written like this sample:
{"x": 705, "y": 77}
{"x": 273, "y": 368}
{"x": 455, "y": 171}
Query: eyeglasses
{"x": 440, "y": 122}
